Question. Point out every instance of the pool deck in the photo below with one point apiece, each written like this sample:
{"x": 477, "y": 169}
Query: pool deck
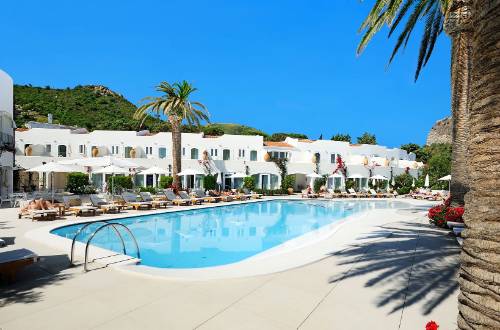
{"x": 387, "y": 269}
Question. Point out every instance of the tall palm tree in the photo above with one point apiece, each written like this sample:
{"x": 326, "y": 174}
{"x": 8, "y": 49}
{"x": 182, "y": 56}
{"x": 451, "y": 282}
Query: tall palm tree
{"x": 454, "y": 17}
{"x": 176, "y": 106}
{"x": 479, "y": 278}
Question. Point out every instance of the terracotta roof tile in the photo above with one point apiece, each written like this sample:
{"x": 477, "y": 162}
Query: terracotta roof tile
{"x": 277, "y": 144}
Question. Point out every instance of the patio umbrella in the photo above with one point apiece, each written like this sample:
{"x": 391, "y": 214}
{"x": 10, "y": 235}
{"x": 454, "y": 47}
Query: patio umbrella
{"x": 239, "y": 175}
{"x": 426, "y": 183}
{"x": 313, "y": 176}
{"x": 52, "y": 168}
{"x": 393, "y": 182}
{"x": 190, "y": 171}
{"x": 378, "y": 177}
{"x": 112, "y": 169}
{"x": 102, "y": 162}
{"x": 446, "y": 178}
{"x": 219, "y": 179}
{"x": 413, "y": 183}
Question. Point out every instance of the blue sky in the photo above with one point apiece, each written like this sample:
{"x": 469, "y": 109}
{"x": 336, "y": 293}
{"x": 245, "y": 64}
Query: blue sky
{"x": 275, "y": 65}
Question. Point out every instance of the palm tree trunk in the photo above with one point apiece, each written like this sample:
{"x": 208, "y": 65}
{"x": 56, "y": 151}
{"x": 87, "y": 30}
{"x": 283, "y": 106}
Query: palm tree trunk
{"x": 176, "y": 150}
{"x": 479, "y": 278}
{"x": 458, "y": 27}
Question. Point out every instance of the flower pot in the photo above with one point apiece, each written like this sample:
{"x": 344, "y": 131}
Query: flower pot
{"x": 95, "y": 152}
{"x": 28, "y": 151}
{"x": 290, "y": 191}
{"x": 267, "y": 157}
{"x": 133, "y": 153}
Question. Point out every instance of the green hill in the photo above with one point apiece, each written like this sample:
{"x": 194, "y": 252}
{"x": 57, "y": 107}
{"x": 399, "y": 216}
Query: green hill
{"x": 99, "y": 108}
{"x": 92, "y": 107}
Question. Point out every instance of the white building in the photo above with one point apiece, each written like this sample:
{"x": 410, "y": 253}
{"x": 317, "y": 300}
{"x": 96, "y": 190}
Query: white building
{"x": 232, "y": 155}
{"x": 7, "y": 127}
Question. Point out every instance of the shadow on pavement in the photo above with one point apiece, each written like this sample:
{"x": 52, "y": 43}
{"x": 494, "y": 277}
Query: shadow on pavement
{"x": 416, "y": 263}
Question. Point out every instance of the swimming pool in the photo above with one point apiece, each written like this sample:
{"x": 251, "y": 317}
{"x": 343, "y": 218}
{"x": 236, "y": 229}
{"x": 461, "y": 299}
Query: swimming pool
{"x": 220, "y": 235}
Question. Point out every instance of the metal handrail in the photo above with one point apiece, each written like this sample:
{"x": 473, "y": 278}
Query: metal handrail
{"x": 112, "y": 225}
{"x": 76, "y": 235}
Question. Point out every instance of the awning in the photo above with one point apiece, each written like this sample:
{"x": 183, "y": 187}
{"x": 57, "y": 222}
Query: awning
{"x": 379, "y": 177}
{"x": 356, "y": 176}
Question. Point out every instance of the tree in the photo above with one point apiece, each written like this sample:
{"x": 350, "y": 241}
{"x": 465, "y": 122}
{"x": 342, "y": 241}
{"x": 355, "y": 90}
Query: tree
{"x": 410, "y": 147}
{"x": 454, "y": 17}
{"x": 458, "y": 27}
{"x": 213, "y": 131}
{"x": 277, "y": 137}
{"x": 367, "y": 138}
{"x": 392, "y": 13}
{"x": 341, "y": 137}
{"x": 479, "y": 298}
{"x": 176, "y": 106}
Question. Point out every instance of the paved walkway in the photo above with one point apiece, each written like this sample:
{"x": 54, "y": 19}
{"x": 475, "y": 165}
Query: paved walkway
{"x": 401, "y": 275}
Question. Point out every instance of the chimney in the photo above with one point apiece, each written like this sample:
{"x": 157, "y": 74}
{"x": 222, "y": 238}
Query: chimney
{"x": 49, "y": 118}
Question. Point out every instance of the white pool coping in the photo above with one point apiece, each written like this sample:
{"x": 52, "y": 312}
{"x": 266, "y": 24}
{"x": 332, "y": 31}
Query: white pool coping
{"x": 299, "y": 251}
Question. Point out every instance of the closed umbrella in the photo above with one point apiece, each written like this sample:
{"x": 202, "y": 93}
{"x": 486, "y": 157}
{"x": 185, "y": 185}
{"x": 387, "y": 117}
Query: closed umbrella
{"x": 426, "y": 183}
{"x": 413, "y": 183}
{"x": 219, "y": 179}
{"x": 393, "y": 182}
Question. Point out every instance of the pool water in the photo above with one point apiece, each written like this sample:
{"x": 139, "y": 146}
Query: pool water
{"x": 220, "y": 235}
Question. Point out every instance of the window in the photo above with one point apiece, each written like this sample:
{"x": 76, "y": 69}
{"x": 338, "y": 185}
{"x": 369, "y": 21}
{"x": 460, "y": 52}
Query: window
{"x": 241, "y": 153}
{"x": 279, "y": 154}
{"x": 194, "y": 153}
{"x": 213, "y": 152}
{"x": 48, "y": 148}
{"x": 115, "y": 150}
{"x": 127, "y": 152}
{"x": 61, "y": 150}
{"x": 333, "y": 158}
{"x": 253, "y": 155}
{"x": 82, "y": 149}
{"x": 226, "y": 154}
{"x": 183, "y": 151}
{"x": 149, "y": 150}
{"x": 162, "y": 153}
{"x": 318, "y": 157}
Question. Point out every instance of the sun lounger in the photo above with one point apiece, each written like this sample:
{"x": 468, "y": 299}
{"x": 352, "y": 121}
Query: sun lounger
{"x": 176, "y": 200}
{"x": 37, "y": 214}
{"x": 252, "y": 195}
{"x": 353, "y": 193}
{"x": 207, "y": 198}
{"x": 194, "y": 200}
{"x": 375, "y": 194}
{"x": 147, "y": 197}
{"x": 74, "y": 204}
{"x": 132, "y": 200}
{"x": 12, "y": 261}
{"x": 104, "y": 205}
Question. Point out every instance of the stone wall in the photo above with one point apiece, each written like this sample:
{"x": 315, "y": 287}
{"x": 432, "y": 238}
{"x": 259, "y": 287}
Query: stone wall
{"x": 440, "y": 132}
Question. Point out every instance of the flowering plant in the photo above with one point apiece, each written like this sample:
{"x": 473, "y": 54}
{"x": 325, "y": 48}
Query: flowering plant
{"x": 431, "y": 326}
{"x": 440, "y": 214}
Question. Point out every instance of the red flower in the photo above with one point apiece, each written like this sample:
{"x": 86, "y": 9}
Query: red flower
{"x": 431, "y": 326}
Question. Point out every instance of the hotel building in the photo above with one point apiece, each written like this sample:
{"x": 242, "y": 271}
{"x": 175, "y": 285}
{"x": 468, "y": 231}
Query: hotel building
{"x": 231, "y": 155}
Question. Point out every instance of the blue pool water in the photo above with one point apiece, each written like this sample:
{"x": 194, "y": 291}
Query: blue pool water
{"x": 220, "y": 235}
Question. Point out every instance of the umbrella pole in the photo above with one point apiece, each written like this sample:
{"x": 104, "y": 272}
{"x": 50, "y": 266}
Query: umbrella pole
{"x": 52, "y": 185}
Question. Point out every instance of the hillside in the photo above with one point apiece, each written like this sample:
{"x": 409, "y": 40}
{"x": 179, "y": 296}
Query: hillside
{"x": 97, "y": 108}
{"x": 92, "y": 107}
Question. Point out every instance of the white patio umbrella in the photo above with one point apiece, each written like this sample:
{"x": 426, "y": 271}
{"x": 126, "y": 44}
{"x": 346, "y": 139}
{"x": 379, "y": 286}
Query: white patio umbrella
{"x": 378, "y": 177}
{"x": 355, "y": 176}
{"x": 446, "y": 178}
{"x": 426, "y": 183}
{"x": 102, "y": 162}
{"x": 190, "y": 171}
{"x": 219, "y": 179}
{"x": 313, "y": 176}
{"x": 52, "y": 168}
{"x": 239, "y": 175}
{"x": 156, "y": 171}
{"x": 112, "y": 169}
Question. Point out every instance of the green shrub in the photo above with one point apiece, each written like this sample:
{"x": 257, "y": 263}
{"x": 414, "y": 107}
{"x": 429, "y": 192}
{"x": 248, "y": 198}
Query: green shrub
{"x": 78, "y": 183}
{"x": 151, "y": 190}
{"x": 318, "y": 183}
{"x": 166, "y": 182}
{"x": 403, "y": 183}
{"x": 210, "y": 182}
{"x": 120, "y": 183}
{"x": 288, "y": 182}
{"x": 249, "y": 182}
{"x": 350, "y": 184}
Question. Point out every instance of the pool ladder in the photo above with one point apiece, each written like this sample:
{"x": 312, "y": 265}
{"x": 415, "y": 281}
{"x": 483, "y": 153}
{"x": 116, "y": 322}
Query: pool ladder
{"x": 113, "y": 225}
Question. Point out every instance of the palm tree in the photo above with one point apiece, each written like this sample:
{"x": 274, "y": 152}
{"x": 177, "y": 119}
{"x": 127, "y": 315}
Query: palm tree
{"x": 176, "y": 106}
{"x": 454, "y": 17}
{"x": 479, "y": 279}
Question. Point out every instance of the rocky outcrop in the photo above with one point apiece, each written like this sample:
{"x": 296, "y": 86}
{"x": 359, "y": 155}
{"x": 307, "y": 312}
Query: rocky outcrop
{"x": 440, "y": 132}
